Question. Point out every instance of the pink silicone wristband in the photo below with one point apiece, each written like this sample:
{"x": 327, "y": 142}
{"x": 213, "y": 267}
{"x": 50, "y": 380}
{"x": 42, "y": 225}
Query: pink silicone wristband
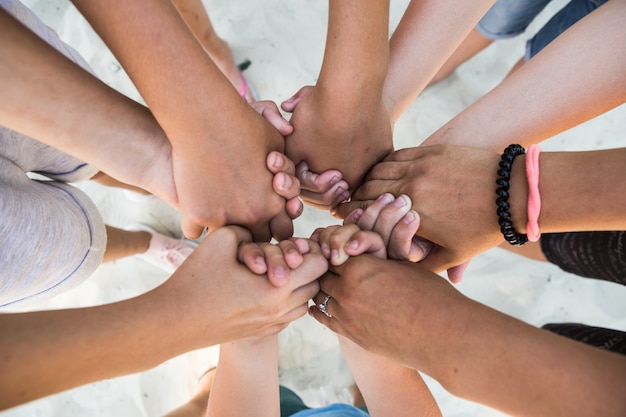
{"x": 534, "y": 198}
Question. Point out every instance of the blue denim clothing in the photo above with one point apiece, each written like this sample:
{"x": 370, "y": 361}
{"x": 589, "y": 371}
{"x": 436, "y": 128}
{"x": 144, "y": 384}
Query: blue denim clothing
{"x": 291, "y": 405}
{"x": 566, "y": 17}
{"x": 509, "y": 18}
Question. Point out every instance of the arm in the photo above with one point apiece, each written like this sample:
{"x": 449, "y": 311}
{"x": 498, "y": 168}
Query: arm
{"x": 195, "y": 105}
{"x": 428, "y": 33}
{"x": 389, "y": 388}
{"x": 559, "y": 88}
{"x": 50, "y": 351}
{"x": 342, "y": 123}
{"x": 579, "y": 191}
{"x": 50, "y": 98}
{"x": 246, "y": 379}
{"x": 434, "y": 328}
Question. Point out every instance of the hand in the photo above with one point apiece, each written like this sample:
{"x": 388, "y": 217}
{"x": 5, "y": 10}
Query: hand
{"x": 223, "y": 179}
{"x": 275, "y": 260}
{"x": 331, "y": 135}
{"x": 387, "y": 307}
{"x": 324, "y": 190}
{"x": 396, "y": 223}
{"x": 226, "y": 301}
{"x": 453, "y": 190}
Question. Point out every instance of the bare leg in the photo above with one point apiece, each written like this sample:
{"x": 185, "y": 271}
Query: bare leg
{"x": 196, "y": 17}
{"x": 123, "y": 243}
{"x": 197, "y": 406}
{"x": 473, "y": 44}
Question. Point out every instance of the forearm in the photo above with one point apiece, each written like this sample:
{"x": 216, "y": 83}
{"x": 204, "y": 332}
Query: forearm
{"x": 356, "y": 55}
{"x": 389, "y": 389}
{"x": 580, "y": 191}
{"x": 425, "y": 37}
{"x": 53, "y": 100}
{"x": 536, "y": 373}
{"x": 174, "y": 75}
{"x": 51, "y": 351}
{"x": 576, "y": 78}
{"x": 246, "y": 379}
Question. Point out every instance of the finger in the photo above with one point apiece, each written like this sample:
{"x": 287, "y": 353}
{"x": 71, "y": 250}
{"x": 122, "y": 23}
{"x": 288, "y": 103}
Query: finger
{"x": 337, "y": 243}
{"x": 270, "y": 112}
{"x": 403, "y": 244}
{"x": 277, "y": 162}
{"x": 290, "y": 104}
{"x": 371, "y": 189}
{"x": 303, "y": 245}
{"x": 455, "y": 274}
{"x": 329, "y": 199}
{"x": 365, "y": 242}
{"x": 322, "y": 236}
{"x": 294, "y": 207}
{"x": 438, "y": 260}
{"x": 291, "y": 253}
{"x": 277, "y": 268}
{"x": 342, "y": 210}
{"x": 389, "y": 217}
{"x": 251, "y": 255}
{"x": 286, "y": 186}
{"x": 312, "y": 268}
{"x": 369, "y": 217}
{"x": 281, "y": 226}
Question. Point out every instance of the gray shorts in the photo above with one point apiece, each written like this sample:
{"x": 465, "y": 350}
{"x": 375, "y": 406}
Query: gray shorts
{"x": 52, "y": 236}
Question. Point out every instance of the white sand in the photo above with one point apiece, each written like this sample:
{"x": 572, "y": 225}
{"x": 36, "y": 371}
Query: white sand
{"x": 284, "y": 39}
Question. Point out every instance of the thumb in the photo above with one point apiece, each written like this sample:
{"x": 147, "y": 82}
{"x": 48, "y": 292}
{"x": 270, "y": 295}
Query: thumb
{"x": 290, "y": 104}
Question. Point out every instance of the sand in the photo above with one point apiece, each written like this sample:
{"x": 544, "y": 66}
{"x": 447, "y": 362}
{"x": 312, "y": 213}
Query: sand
{"x": 284, "y": 39}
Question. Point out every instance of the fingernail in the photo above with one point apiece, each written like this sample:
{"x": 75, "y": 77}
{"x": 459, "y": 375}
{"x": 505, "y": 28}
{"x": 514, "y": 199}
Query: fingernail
{"x": 410, "y": 217}
{"x": 279, "y": 272}
{"x": 334, "y": 254}
{"x": 400, "y": 202}
{"x": 353, "y": 244}
{"x": 340, "y": 190}
{"x": 276, "y": 160}
{"x": 385, "y": 199}
{"x": 335, "y": 179}
{"x": 315, "y": 237}
{"x": 356, "y": 215}
{"x": 325, "y": 249}
{"x": 259, "y": 260}
{"x": 285, "y": 182}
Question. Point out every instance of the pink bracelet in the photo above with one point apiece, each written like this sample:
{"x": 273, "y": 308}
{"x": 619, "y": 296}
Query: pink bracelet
{"x": 534, "y": 199}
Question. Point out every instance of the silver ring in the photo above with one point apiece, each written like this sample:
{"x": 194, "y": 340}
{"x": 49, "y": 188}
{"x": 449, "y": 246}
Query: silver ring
{"x": 323, "y": 306}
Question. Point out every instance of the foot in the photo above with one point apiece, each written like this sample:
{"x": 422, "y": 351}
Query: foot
{"x": 164, "y": 252}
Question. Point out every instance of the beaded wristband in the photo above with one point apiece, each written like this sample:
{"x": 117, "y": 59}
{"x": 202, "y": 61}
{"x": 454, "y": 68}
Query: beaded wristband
{"x": 504, "y": 175}
{"x": 534, "y": 198}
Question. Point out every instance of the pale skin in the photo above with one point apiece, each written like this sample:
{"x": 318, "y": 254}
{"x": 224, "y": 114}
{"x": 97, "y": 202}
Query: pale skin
{"x": 50, "y": 351}
{"x": 242, "y": 384}
{"x": 196, "y": 17}
{"x": 134, "y": 151}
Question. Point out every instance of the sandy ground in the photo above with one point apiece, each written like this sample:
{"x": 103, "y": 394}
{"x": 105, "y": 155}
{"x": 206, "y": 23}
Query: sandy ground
{"x": 284, "y": 39}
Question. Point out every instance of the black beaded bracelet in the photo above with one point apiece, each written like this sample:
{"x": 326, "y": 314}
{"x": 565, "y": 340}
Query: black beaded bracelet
{"x": 504, "y": 175}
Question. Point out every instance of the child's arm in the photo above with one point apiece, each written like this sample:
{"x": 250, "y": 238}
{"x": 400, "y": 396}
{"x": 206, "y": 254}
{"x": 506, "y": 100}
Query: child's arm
{"x": 389, "y": 389}
{"x": 247, "y": 374}
{"x": 246, "y": 380}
